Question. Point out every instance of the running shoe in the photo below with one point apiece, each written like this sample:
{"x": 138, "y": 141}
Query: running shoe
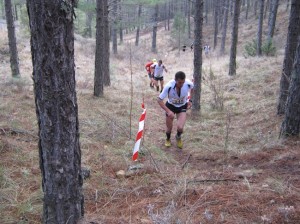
{"x": 179, "y": 142}
{"x": 168, "y": 143}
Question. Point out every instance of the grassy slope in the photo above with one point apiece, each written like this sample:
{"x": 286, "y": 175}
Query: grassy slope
{"x": 233, "y": 168}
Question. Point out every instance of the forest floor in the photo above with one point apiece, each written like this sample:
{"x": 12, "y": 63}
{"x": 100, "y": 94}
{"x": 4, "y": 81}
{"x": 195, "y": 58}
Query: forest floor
{"x": 232, "y": 169}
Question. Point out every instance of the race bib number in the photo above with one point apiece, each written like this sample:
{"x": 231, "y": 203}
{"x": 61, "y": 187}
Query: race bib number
{"x": 177, "y": 101}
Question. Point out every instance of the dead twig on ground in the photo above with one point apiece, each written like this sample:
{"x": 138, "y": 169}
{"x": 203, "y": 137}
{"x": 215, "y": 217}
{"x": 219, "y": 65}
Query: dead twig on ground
{"x": 186, "y": 161}
{"x": 12, "y": 131}
{"x": 155, "y": 164}
{"x": 212, "y": 180}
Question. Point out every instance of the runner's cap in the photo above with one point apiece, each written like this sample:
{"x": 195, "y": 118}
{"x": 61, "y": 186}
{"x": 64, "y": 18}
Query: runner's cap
{"x": 153, "y": 60}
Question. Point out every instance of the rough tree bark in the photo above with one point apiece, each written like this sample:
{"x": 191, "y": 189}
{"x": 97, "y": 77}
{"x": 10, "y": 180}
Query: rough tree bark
{"x": 106, "y": 45}
{"x": 154, "y": 33}
{"x": 165, "y": 14}
{"x": 216, "y": 24}
{"x": 224, "y": 31}
{"x": 291, "y": 44}
{"x": 259, "y": 29}
{"x": 266, "y": 7}
{"x": 197, "y": 56}
{"x": 99, "y": 53}
{"x": 255, "y": 7}
{"x": 12, "y": 43}
{"x": 89, "y": 18}
{"x": 169, "y": 16}
{"x": 114, "y": 26}
{"x": 206, "y": 11}
{"x": 52, "y": 48}
{"x": 247, "y": 9}
{"x": 189, "y": 18}
{"x": 137, "y": 37}
{"x": 272, "y": 18}
{"x": 120, "y": 21}
{"x": 234, "y": 37}
{"x": 291, "y": 123}
{"x": 3, "y": 9}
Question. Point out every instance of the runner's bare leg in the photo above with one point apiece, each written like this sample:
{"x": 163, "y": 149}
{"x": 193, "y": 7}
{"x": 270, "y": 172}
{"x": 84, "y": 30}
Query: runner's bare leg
{"x": 181, "y": 118}
{"x": 169, "y": 124}
{"x": 155, "y": 83}
{"x": 162, "y": 84}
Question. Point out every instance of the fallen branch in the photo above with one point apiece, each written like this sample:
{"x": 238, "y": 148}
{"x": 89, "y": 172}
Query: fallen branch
{"x": 213, "y": 180}
{"x": 11, "y": 131}
{"x": 183, "y": 165}
{"x": 155, "y": 164}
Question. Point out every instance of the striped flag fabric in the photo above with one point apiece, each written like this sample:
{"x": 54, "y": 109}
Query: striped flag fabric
{"x": 139, "y": 134}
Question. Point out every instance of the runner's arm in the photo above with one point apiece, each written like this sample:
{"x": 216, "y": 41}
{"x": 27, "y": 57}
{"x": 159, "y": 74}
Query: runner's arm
{"x": 152, "y": 69}
{"x": 165, "y": 69}
{"x": 160, "y": 100}
{"x": 190, "y": 102}
{"x": 165, "y": 108}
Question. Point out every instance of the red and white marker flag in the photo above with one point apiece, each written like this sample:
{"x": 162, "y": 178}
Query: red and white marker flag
{"x": 139, "y": 134}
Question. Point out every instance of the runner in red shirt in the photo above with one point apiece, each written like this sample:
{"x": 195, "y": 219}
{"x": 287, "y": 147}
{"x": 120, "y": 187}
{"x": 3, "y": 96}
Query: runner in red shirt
{"x": 150, "y": 73}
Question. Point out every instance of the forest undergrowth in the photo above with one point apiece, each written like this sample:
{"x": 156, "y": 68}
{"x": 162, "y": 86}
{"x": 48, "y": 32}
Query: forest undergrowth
{"x": 232, "y": 169}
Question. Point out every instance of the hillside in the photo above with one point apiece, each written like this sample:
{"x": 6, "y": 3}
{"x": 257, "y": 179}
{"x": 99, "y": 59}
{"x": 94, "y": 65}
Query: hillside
{"x": 232, "y": 169}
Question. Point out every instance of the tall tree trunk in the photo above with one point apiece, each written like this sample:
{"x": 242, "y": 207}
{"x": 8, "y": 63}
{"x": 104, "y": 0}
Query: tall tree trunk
{"x": 197, "y": 56}
{"x": 206, "y": 11}
{"x": 255, "y": 7}
{"x": 272, "y": 18}
{"x": 192, "y": 12}
{"x": 216, "y": 24}
{"x": 154, "y": 33}
{"x": 106, "y": 45}
{"x": 114, "y": 26}
{"x": 165, "y": 15}
{"x": 224, "y": 31}
{"x": 291, "y": 44}
{"x": 231, "y": 7}
{"x": 169, "y": 16}
{"x": 137, "y": 37}
{"x": 3, "y": 9}
{"x": 121, "y": 32}
{"x": 88, "y": 31}
{"x": 52, "y": 48}
{"x": 16, "y": 12}
{"x": 88, "y": 21}
{"x": 189, "y": 18}
{"x": 234, "y": 38}
{"x": 99, "y": 56}
{"x": 259, "y": 29}
{"x": 120, "y": 21}
{"x": 267, "y": 6}
{"x": 247, "y": 9}
{"x": 291, "y": 123}
{"x": 221, "y": 14}
{"x": 14, "y": 60}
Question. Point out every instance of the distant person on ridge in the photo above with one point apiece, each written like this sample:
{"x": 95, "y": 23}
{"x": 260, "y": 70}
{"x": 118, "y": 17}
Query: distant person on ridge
{"x": 206, "y": 49}
{"x": 150, "y": 75}
{"x": 177, "y": 91}
{"x": 192, "y": 46}
{"x": 158, "y": 70}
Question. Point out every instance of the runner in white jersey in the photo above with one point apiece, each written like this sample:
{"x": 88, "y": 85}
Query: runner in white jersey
{"x": 158, "y": 70}
{"x": 177, "y": 91}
